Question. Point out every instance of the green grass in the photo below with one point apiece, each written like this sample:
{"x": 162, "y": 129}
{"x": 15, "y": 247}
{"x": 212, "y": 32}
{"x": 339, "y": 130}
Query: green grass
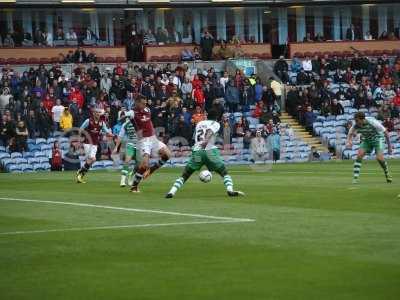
{"x": 315, "y": 237}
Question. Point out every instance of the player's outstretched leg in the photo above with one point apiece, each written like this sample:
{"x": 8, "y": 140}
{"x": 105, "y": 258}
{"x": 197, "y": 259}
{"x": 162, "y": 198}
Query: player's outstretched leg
{"x": 358, "y": 163}
{"x": 137, "y": 178}
{"x": 82, "y": 172}
{"x": 228, "y": 182}
{"x": 385, "y": 168}
{"x": 356, "y": 170}
{"x": 124, "y": 174}
{"x": 179, "y": 182}
{"x": 164, "y": 157}
{"x": 141, "y": 170}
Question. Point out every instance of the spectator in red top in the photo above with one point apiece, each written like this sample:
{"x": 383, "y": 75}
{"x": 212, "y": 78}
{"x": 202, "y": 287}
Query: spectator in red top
{"x": 118, "y": 70}
{"x": 48, "y": 103}
{"x": 396, "y": 100}
{"x": 386, "y": 80}
{"x": 259, "y": 110}
{"x": 77, "y": 95}
{"x": 88, "y": 81}
{"x": 269, "y": 128}
{"x": 196, "y": 83}
{"x": 198, "y": 96}
{"x": 238, "y": 79}
{"x": 198, "y": 115}
{"x": 56, "y": 158}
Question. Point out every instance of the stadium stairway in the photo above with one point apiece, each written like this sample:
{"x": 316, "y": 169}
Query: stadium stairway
{"x": 302, "y": 133}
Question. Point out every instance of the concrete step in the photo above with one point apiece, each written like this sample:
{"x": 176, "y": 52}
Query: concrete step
{"x": 303, "y": 134}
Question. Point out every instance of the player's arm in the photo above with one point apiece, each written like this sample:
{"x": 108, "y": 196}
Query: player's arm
{"x": 380, "y": 128}
{"x": 349, "y": 141}
{"x": 83, "y": 127}
{"x": 118, "y": 139}
{"x": 107, "y": 131}
{"x": 388, "y": 142}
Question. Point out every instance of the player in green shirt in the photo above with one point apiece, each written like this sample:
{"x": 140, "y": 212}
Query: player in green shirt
{"x": 205, "y": 152}
{"x": 372, "y": 138}
{"x": 127, "y": 133}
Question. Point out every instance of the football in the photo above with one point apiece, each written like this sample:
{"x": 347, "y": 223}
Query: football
{"x": 205, "y": 176}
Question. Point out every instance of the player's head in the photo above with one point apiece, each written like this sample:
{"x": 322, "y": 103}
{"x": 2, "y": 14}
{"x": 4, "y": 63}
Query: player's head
{"x": 359, "y": 118}
{"x": 141, "y": 102}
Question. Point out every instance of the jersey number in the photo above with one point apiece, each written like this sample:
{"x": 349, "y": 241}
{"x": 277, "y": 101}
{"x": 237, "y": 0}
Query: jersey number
{"x": 200, "y": 135}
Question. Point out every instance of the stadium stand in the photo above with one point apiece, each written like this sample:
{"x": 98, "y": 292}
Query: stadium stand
{"x": 337, "y": 87}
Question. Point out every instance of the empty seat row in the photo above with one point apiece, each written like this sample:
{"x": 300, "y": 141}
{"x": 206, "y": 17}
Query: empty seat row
{"x": 391, "y": 52}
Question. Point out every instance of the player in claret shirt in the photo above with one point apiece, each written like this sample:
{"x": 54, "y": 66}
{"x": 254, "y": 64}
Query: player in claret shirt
{"x": 92, "y": 128}
{"x": 148, "y": 143}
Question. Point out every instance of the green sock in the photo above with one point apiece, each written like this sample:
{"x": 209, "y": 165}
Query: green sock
{"x": 357, "y": 168}
{"x": 177, "y": 185}
{"x": 125, "y": 170}
{"x": 228, "y": 183}
{"x": 384, "y": 166}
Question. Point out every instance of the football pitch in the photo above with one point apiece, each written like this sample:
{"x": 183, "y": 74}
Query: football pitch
{"x": 303, "y": 231}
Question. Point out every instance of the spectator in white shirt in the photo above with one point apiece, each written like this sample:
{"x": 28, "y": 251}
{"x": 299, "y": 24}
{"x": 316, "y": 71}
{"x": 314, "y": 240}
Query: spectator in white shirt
{"x": 105, "y": 83}
{"x": 49, "y": 38}
{"x": 258, "y": 148}
{"x": 57, "y": 111}
{"x": 307, "y": 64}
{"x": 224, "y": 80}
{"x": 368, "y": 36}
{"x": 71, "y": 35}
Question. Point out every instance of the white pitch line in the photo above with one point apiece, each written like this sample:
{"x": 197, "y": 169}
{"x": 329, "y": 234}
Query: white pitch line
{"x": 130, "y": 209}
{"x": 117, "y": 227}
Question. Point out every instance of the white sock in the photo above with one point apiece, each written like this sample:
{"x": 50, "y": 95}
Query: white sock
{"x": 228, "y": 183}
{"x": 177, "y": 185}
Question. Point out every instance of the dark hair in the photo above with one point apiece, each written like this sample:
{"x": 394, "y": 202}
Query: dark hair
{"x": 359, "y": 115}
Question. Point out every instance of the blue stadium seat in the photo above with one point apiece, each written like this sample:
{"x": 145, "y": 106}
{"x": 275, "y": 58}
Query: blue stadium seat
{"x": 38, "y": 167}
{"x": 40, "y": 154}
{"x": 43, "y": 160}
{"x": 16, "y": 155}
{"x": 34, "y": 147}
{"x": 28, "y": 154}
{"x": 6, "y": 161}
{"x": 4, "y": 155}
{"x": 40, "y": 141}
{"x": 50, "y": 141}
{"x": 108, "y": 164}
{"x": 46, "y": 166}
{"x": 26, "y": 168}
{"x": 45, "y": 147}
{"x": 98, "y": 165}
{"x": 20, "y": 161}
{"x": 14, "y": 168}
{"x": 33, "y": 160}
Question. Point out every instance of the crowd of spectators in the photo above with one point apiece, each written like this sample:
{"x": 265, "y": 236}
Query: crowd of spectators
{"x": 355, "y": 34}
{"x": 365, "y": 82}
{"x": 44, "y": 38}
{"x": 43, "y": 100}
{"x": 210, "y": 47}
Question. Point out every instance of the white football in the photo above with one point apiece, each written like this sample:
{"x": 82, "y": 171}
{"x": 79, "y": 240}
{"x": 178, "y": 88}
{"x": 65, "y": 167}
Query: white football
{"x": 205, "y": 176}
